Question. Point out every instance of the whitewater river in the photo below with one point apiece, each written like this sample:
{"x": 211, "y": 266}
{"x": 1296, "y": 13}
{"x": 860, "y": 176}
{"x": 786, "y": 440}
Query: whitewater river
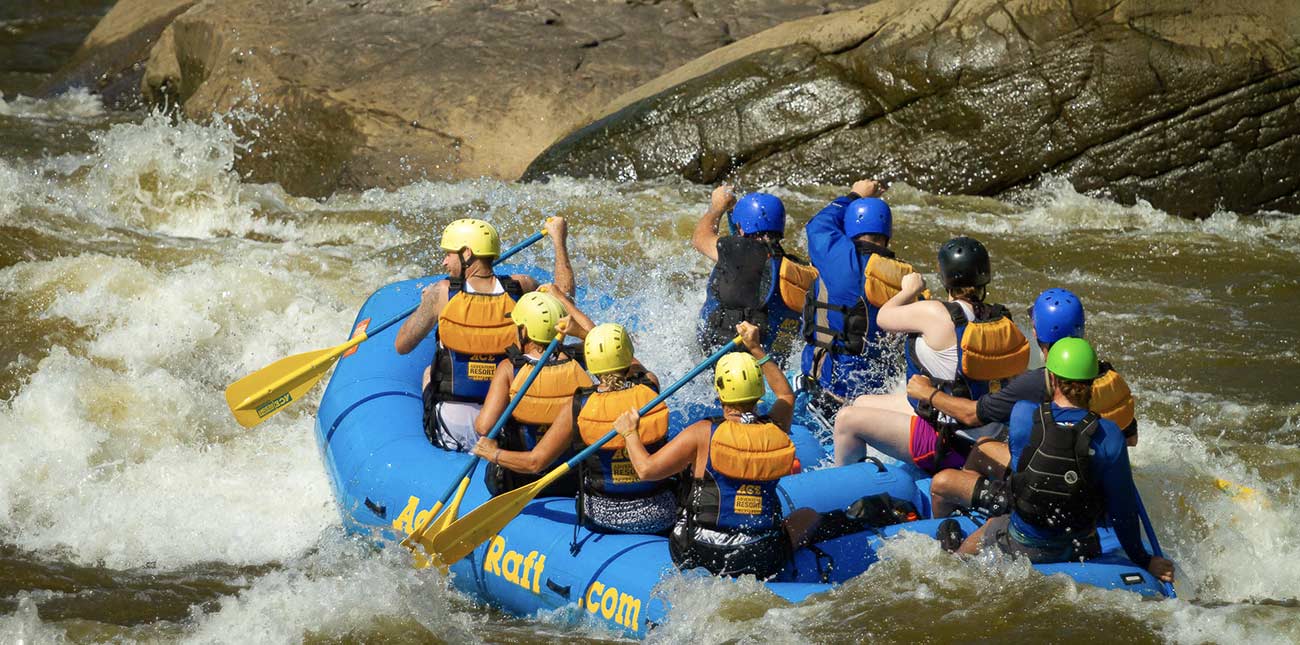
{"x": 139, "y": 275}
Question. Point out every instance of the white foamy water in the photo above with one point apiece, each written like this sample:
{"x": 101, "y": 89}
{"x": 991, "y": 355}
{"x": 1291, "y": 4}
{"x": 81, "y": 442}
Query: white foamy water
{"x": 167, "y": 276}
{"x": 75, "y": 104}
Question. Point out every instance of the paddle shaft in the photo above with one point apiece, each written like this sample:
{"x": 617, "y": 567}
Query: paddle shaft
{"x": 1155, "y": 544}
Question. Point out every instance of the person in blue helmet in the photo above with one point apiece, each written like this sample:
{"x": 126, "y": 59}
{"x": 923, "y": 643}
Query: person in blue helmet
{"x": 981, "y": 483}
{"x": 1071, "y": 471}
{"x": 753, "y": 279}
{"x": 848, "y": 244}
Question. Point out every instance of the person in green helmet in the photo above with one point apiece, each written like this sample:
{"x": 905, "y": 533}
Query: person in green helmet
{"x": 1071, "y": 471}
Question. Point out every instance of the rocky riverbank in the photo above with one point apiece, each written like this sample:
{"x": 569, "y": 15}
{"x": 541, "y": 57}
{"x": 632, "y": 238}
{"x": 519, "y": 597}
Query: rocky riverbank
{"x": 1188, "y": 104}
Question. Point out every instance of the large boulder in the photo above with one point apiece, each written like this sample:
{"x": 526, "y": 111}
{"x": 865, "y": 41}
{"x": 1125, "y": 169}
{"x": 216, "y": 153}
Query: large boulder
{"x": 1189, "y": 104}
{"x": 348, "y": 95}
{"x": 110, "y": 61}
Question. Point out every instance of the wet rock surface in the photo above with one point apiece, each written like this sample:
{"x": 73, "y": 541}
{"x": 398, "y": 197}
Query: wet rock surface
{"x": 1191, "y": 105}
{"x": 347, "y": 95}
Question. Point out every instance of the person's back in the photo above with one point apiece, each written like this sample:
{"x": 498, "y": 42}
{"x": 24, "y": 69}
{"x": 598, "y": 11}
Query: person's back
{"x": 612, "y": 498}
{"x": 1071, "y": 470}
{"x": 528, "y": 436}
{"x": 753, "y": 279}
{"x": 846, "y": 351}
{"x": 732, "y": 523}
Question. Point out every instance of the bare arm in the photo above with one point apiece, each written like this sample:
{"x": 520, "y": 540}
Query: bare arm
{"x": 578, "y": 322}
{"x": 558, "y": 230}
{"x": 552, "y": 445}
{"x": 902, "y": 314}
{"x": 498, "y": 397}
{"x": 705, "y": 237}
{"x": 669, "y": 460}
{"x": 421, "y": 322}
{"x": 782, "y": 411}
{"x": 962, "y": 409}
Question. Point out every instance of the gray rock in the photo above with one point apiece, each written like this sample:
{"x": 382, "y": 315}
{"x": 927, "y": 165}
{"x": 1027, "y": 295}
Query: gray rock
{"x": 1189, "y": 104}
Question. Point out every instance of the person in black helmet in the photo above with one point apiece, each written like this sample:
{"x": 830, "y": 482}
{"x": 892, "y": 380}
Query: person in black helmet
{"x": 961, "y": 345}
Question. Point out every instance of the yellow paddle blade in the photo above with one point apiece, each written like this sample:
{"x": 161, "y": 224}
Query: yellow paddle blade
{"x": 411, "y": 540}
{"x": 1237, "y": 492}
{"x": 464, "y": 535}
{"x": 420, "y": 541}
{"x": 262, "y": 394}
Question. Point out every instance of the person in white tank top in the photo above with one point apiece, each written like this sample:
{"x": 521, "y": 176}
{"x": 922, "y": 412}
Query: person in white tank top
{"x": 471, "y": 247}
{"x": 888, "y": 422}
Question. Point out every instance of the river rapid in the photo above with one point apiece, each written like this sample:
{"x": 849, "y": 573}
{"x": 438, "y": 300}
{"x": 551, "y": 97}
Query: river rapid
{"x": 139, "y": 275}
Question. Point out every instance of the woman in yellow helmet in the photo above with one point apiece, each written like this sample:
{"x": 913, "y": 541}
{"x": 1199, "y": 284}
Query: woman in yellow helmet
{"x": 733, "y": 521}
{"x": 612, "y": 498}
{"x": 469, "y": 308}
{"x": 527, "y": 445}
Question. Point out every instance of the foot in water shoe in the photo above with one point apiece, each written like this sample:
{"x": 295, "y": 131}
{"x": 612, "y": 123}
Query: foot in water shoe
{"x": 950, "y": 535}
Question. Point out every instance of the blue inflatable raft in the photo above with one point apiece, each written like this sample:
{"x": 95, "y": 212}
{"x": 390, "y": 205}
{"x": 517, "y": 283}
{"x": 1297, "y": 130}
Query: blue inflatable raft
{"x": 386, "y": 475}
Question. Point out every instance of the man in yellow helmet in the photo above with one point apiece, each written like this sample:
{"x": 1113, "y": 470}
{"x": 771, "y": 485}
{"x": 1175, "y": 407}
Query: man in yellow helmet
{"x": 470, "y": 308}
{"x": 733, "y": 520}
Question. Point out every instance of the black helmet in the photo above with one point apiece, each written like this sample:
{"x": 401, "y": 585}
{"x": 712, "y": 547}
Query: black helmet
{"x": 964, "y": 262}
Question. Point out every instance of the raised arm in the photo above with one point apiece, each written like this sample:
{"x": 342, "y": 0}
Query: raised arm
{"x": 828, "y": 246}
{"x": 903, "y": 314}
{"x": 421, "y": 322}
{"x": 576, "y": 323}
{"x": 705, "y": 237}
{"x": 782, "y": 412}
{"x": 558, "y": 230}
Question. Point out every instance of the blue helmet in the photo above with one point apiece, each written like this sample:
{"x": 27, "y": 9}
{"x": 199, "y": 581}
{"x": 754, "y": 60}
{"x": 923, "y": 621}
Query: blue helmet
{"x": 1057, "y": 314}
{"x": 868, "y": 215}
{"x": 759, "y": 213}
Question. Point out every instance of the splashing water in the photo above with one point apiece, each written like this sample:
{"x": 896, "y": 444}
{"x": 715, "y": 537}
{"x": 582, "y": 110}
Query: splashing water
{"x": 141, "y": 275}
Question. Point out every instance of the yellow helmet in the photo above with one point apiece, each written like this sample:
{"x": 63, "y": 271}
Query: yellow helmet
{"x": 608, "y": 349}
{"x": 538, "y": 312}
{"x": 474, "y": 234}
{"x": 738, "y": 379}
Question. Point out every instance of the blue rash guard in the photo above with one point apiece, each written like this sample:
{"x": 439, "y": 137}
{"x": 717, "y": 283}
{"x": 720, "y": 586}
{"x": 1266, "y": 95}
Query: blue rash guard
{"x": 842, "y": 267}
{"x": 1110, "y": 468}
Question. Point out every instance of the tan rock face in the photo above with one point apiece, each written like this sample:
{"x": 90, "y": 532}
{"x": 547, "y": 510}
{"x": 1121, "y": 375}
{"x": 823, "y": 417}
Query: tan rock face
{"x": 347, "y": 95}
{"x": 1189, "y": 104}
{"x": 110, "y": 60}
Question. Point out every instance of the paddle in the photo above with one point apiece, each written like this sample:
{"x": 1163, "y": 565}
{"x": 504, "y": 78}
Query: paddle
{"x": 423, "y": 535}
{"x": 1155, "y": 544}
{"x": 464, "y": 535}
{"x": 264, "y": 393}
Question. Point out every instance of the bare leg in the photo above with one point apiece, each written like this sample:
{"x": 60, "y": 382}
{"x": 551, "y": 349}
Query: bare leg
{"x": 425, "y": 382}
{"x": 892, "y": 402}
{"x": 971, "y": 545}
{"x": 952, "y": 489}
{"x": 990, "y": 459}
{"x": 888, "y": 432}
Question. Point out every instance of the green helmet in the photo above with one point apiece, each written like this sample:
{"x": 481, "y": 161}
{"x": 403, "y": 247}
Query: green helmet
{"x": 1072, "y": 359}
